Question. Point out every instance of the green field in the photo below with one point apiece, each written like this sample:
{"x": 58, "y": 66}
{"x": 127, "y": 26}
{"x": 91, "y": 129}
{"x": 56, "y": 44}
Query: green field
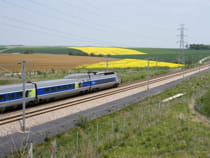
{"x": 2, "y": 48}
{"x": 45, "y": 50}
{"x": 203, "y": 104}
{"x": 170, "y": 55}
{"x": 149, "y": 128}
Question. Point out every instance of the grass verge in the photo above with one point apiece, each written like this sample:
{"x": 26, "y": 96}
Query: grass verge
{"x": 203, "y": 104}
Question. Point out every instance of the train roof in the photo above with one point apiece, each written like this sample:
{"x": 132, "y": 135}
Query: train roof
{"x": 76, "y": 76}
{"x": 14, "y": 87}
{"x": 86, "y": 75}
{"x": 55, "y": 82}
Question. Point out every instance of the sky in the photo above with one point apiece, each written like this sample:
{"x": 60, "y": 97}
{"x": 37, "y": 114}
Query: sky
{"x": 107, "y": 23}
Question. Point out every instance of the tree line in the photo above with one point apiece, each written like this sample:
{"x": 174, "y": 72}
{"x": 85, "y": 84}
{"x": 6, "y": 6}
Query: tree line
{"x": 199, "y": 46}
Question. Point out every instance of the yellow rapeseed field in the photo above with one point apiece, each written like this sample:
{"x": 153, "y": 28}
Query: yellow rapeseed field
{"x": 107, "y": 51}
{"x": 130, "y": 63}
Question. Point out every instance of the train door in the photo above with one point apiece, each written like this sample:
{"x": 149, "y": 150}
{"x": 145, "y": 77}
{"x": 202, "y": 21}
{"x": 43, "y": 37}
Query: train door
{"x": 32, "y": 93}
{"x": 78, "y": 85}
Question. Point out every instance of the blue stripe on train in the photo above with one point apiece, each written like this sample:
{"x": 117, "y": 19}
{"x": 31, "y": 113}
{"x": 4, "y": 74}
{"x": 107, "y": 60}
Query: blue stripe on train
{"x": 10, "y": 96}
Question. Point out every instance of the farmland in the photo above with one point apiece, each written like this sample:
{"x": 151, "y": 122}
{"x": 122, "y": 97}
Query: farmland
{"x": 44, "y": 50}
{"x": 44, "y": 62}
{"x": 169, "y": 55}
{"x": 49, "y": 66}
{"x": 107, "y": 51}
{"x": 130, "y": 63}
{"x": 159, "y": 54}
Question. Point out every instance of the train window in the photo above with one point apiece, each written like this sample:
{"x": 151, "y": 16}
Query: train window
{"x": 70, "y": 86}
{"x": 2, "y": 97}
{"x": 46, "y": 90}
{"x": 53, "y": 89}
{"x": 59, "y": 88}
{"x": 19, "y": 94}
{"x": 64, "y": 87}
{"x": 11, "y": 96}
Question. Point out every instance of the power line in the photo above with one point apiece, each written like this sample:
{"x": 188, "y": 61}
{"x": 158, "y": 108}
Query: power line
{"x": 79, "y": 6}
{"x": 35, "y": 30}
{"x": 45, "y": 28}
{"x": 65, "y": 18}
{"x": 97, "y": 27}
{"x": 88, "y": 3}
{"x": 42, "y": 29}
{"x": 22, "y": 7}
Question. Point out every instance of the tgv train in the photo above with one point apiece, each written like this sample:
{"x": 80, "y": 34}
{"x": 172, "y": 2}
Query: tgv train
{"x": 45, "y": 91}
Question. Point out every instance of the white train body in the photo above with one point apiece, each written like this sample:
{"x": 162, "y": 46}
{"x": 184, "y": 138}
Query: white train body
{"x": 44, "y": 91}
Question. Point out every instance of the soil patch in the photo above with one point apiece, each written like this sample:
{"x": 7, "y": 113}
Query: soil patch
{"x": 44, "y": 62}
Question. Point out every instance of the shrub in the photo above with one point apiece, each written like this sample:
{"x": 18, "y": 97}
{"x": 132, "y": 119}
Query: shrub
{"x": 28, "y": 52}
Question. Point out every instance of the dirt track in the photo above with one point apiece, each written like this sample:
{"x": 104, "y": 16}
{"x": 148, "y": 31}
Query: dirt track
{"x": 44, "y": 62}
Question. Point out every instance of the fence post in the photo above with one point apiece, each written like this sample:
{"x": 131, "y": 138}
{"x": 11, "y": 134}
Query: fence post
{"x": 148, "y": 74}
{"x": 97, "y": 135}
{"x": 77, "y": 141}
{"x": 30, "y": 151}
{"x": 112, "y": 128}
{"x": 123, "y": 125}
{"x": 53, "y": 149}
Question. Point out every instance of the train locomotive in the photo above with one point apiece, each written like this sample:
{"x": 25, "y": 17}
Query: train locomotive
{"x": 50, "y": 90}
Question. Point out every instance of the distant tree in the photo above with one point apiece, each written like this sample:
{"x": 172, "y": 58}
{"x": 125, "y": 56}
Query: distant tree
{"x": 92, "y": 54}
{"x": 199, "y": 46}
{"x": 100, "y": 55}
{"x": 28, "y": 52}
{"x": 77, "y": 53}
{"x": 70, "y": 53}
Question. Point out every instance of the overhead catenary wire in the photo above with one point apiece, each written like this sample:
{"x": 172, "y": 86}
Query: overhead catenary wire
{"x": 108, "y": 31}
{"x": 104, "y": 27}
{"x": 64, "y": 18}
{"x": 55, "y": 31}
{"x": 88, "y": 3}
{"x": 57, "y": 34}
{"x": 81, "y": 20}
{"x": 32, "y": 29}
{"x": 86, "y": 7}
{"x": 31, "y": 11}
{"x": 96, "y": 14}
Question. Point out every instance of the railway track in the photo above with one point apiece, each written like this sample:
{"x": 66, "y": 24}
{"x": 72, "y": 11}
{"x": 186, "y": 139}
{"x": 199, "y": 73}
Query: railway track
{"x": 17, "y": 117}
